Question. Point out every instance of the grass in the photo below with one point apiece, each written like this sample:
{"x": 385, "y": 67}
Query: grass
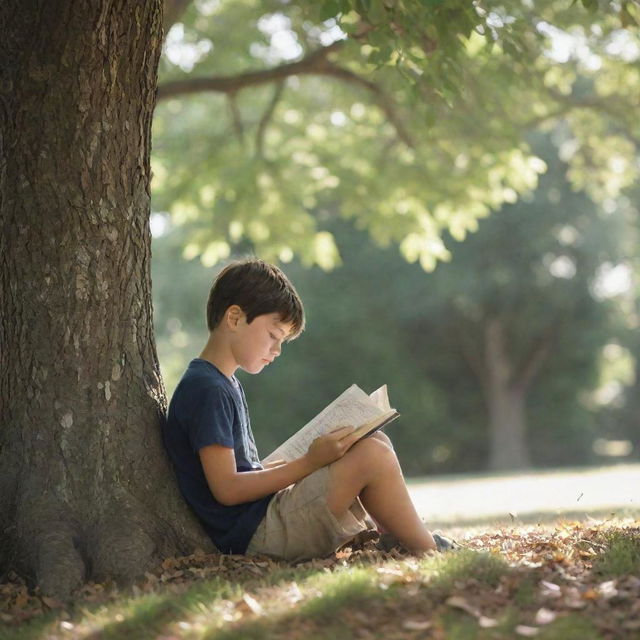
{"x": 451, "y": 569}
{"x": 621, "y": 555}
{"x": 571, "y": 627}
{"x": 482, "y": 594}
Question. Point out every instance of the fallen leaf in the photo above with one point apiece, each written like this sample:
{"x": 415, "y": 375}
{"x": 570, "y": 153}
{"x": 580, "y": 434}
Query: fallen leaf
{"x": 416, "y": 625}
{"x": 21, "y": 599}
{"x": 550, "y": 589}
{"x": 487, "y": 623}
{"x": 250, "y": 603}
{"x": 52, "y": 603}
{"x": 294, "y": 594}
{"x": 608, "y": 589}
{"x": 545, "y": 616}
{"x": 528, "y": 632}
{"x": 390, "y": 571}
{"x": 573, "y": 599}
{"x": 460, "y": 603}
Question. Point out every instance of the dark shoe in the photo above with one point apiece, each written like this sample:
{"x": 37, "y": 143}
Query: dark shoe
{"x": 388, "y": 542}
{"x": 443, "y": 545}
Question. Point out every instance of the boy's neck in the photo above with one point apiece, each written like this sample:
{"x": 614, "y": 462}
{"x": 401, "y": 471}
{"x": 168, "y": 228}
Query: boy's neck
{"x": 218, "y": 353}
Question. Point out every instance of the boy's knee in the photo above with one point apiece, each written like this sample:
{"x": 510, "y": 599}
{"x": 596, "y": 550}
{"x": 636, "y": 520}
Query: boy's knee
{"x": 373, "y": 454}
{"x": 383, "y": 437}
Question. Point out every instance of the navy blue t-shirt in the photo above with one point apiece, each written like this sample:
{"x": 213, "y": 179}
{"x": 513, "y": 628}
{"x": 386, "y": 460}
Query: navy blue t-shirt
{"x": 209, "y": 408}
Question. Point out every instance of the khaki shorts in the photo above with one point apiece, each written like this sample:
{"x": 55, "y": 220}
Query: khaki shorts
{"x": 299, "y": 525}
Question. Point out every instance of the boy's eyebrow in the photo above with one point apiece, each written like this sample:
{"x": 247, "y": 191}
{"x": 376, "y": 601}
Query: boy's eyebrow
{"x": 285, "y": 334}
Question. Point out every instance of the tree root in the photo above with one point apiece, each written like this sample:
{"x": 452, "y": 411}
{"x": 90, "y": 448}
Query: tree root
{"x": 59, "y": 568}
{"x": 120, "y": 550}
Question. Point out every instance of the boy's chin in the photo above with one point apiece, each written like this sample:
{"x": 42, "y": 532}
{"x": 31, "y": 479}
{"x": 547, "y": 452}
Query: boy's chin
{"x": 254, "y": 368}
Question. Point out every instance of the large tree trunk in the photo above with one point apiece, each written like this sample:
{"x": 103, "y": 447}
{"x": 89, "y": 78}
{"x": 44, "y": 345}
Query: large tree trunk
{"x": 505, "y": 398}
{"x": 85, "y": 488}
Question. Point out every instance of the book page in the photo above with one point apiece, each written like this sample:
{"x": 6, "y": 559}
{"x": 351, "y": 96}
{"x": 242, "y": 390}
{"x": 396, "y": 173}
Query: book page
{"x": 381, "y": 398}
{"x": 353, "y": 407}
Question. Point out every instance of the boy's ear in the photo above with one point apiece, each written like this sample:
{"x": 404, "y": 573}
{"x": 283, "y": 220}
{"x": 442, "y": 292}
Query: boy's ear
{"x": 233, "y": 315}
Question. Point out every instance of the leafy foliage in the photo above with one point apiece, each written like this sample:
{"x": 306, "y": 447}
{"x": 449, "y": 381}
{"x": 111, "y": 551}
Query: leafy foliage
{"x": 410, "y": 117}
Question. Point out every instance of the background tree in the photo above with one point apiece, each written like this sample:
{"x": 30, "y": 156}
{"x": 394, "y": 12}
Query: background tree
{"x": 531, "y": 327}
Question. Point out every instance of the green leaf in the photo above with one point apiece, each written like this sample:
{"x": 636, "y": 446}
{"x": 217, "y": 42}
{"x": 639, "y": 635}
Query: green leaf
{"x": 330, "y": 9}
{"x": 627, "y": 19}
{"x": 363, "y": 7}
{"x": 377, "y": 13}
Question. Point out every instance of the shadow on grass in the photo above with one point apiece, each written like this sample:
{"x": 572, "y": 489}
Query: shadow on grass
{"x": 356, "y": 601}
{"x": 144, "y": 616}
{"x": 366, "y": 597}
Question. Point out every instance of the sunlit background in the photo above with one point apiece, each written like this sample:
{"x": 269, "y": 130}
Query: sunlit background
{"x": 474, "y": 246}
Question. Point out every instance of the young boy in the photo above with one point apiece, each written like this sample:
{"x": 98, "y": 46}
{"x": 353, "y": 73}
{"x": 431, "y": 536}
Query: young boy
{"x": 290, "y": 510}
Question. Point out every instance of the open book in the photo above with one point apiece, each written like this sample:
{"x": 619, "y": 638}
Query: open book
{"x": 353, "y": 407}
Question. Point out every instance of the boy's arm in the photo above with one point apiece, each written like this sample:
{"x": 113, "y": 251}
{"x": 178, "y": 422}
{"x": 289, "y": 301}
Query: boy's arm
{"x": 230, "y": 487}
{"x": 273, "y": 463}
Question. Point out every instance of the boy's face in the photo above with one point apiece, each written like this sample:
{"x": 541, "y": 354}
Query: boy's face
{"x": 257, "y": 344}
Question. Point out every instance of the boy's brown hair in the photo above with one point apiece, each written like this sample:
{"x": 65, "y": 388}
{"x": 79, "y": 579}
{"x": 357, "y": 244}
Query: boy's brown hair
{"x": 257, "y": 287}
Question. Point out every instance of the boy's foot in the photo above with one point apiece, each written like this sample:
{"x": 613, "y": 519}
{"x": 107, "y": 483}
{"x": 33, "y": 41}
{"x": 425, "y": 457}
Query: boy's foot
{"x": 388, "y": 542}
{"x": 445, "y": 544}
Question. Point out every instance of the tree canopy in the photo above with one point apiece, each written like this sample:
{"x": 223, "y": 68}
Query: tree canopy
{"x": 412, "y": 115}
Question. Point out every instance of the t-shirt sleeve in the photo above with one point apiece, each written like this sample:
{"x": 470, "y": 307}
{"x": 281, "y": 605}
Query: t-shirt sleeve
{"x": 211, "y": 420}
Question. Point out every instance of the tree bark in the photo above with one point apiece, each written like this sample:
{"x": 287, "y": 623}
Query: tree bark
{"x": 505, "y": 400}
{"x": 86, "y": 491}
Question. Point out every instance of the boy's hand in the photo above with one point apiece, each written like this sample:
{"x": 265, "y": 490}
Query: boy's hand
{"x": 331, "y": 446}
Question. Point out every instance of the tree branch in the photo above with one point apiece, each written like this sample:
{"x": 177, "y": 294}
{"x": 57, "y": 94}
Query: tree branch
{"x": 468, "y": 347}
{"x": 532, "y": 123}
{"x": 266, "y": 116}
{"x": 535, "y": 358}
{"x": 382, "y": 99}
{"x": 315, "y": 63}
{"x": 603, "y": 105}
{"x": 236, "y": 117}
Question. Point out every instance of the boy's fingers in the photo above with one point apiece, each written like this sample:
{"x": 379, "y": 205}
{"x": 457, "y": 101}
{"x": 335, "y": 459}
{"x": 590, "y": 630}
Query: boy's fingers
{"x": 341, "y": 432}
{"x": 352, "y": 438}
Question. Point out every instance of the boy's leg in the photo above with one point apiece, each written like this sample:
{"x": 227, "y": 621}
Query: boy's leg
{"x": 370, "y": 470}
{"x": 383, "y": 437}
